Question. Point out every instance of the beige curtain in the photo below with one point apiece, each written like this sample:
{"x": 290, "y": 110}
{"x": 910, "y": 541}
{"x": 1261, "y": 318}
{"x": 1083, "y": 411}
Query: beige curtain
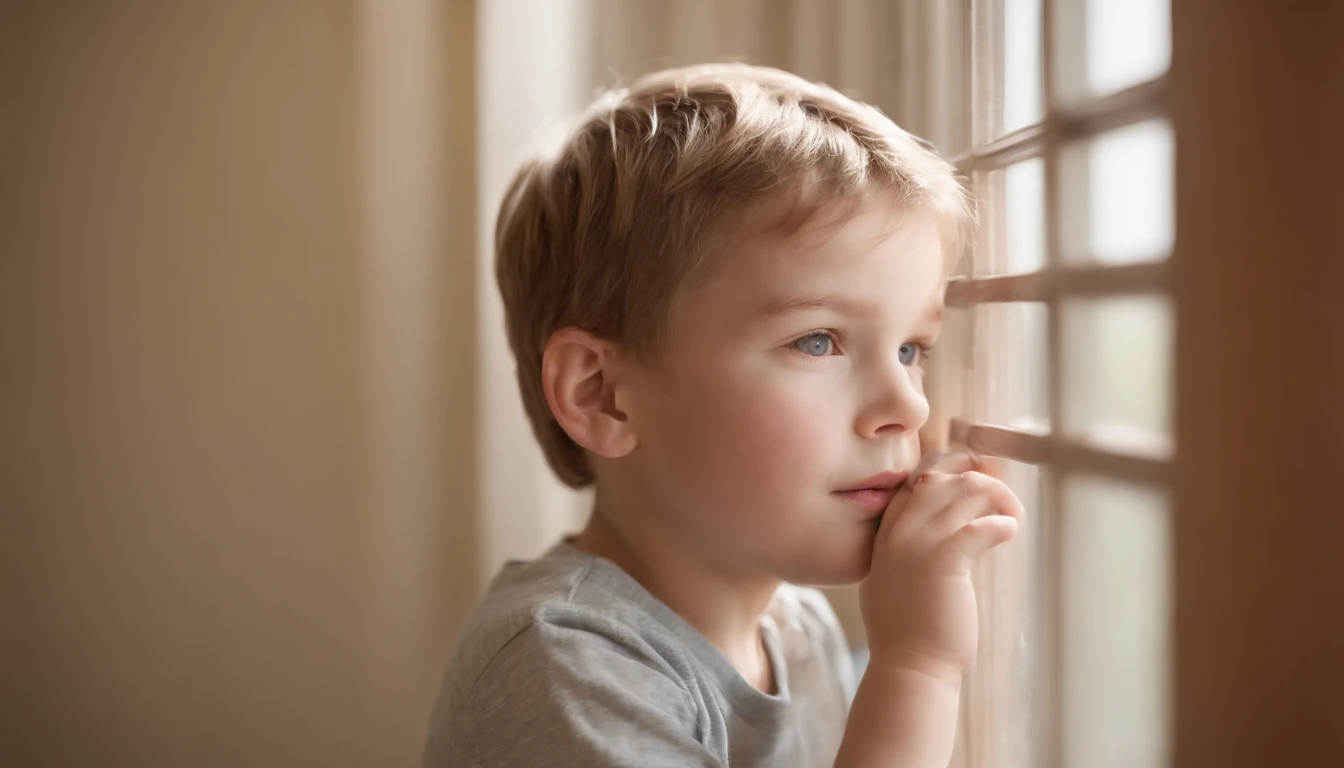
{"x": 237, "y": 314}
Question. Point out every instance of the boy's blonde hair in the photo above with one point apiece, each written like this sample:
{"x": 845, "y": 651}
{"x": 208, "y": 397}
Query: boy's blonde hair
{"x": 600, "y": 232}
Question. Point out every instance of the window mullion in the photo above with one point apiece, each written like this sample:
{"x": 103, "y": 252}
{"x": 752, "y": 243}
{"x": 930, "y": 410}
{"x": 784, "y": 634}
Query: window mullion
{"x": 1061, "y": 282}
{"x": 1051, "y": 522}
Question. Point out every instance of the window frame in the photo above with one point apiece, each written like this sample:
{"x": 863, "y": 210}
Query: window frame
{"x": 972, "y": 73}
{"x": 1254, "y": 681}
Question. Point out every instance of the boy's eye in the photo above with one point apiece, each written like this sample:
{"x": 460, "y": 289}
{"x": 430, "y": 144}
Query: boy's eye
{"x": 910, "y": 353}
{"x": 815, "y": 345}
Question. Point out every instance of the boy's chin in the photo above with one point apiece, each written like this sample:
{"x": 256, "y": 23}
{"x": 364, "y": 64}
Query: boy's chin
{"x": 838, "y": 570}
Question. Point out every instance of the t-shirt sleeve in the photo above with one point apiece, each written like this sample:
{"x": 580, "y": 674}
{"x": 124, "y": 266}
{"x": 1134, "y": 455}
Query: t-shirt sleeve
{"x": 571, "y": 691}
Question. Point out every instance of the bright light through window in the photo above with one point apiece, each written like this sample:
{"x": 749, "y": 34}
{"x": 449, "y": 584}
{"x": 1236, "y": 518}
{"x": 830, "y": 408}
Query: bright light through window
{"x": 1022, "y": 102}
{"x": 1128, "y": 41}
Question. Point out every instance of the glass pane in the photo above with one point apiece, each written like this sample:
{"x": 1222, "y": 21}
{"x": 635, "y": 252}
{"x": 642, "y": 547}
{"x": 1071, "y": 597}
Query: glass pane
{"x": 1117, "y": 587}
{"x": 1117, "y": 372}
{"x": 1011, "y": 365}
{"x": 1128, "y": 42}
{"x": 1022, "y": 102}
{"x": 1104, "y": 46}
{"x": 1024, "y": 216}
{"x": 946, "y": 383}
{"x": 1012, "y": 219}
{"x": 1118, "y": 197}
{"x": 1007, "y": 679}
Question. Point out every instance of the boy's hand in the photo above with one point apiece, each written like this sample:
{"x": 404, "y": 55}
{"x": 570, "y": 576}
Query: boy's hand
{"x": 918, "y": 604}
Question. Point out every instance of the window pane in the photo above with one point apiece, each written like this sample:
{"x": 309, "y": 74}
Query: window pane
{"x": 1117, "y": 371}
{"x": 1117, "y": 201}
{"x": 1007, "y": 86}
{"x": 1116, "y": 622}
{"x": 1128, "y": 42}
{"x": 1011, "y": 365}
{"x": 1006, "y": 706}
{"x": 1012, "y": 226}
{"x": 1104, "y": 46}
{"x": 946, "y": 383}
{"x": 1022, "y": 102}
{"x": 1024, "y": 216}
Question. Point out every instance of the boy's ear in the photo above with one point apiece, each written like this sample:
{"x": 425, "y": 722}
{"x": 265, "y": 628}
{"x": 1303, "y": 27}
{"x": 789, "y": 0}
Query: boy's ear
{"x": 579, "y": 377}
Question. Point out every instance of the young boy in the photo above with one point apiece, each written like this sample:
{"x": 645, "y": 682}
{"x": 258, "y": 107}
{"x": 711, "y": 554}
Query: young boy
{"x": 720, "y": 290}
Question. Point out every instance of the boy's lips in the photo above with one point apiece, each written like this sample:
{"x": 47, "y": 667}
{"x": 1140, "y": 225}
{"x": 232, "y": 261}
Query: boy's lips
{"x": 874, "y": 494}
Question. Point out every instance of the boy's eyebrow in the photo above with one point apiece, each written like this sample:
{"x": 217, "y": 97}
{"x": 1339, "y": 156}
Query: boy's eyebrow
{"x": 789, "y": 305}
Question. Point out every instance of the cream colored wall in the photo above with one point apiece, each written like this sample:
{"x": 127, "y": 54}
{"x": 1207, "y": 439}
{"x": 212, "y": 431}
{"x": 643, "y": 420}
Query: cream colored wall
{"x": 237, "y": 292}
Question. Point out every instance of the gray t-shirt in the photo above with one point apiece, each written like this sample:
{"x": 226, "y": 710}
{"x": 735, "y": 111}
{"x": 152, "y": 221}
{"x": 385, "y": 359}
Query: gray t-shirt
{"x": 570, "y": 662}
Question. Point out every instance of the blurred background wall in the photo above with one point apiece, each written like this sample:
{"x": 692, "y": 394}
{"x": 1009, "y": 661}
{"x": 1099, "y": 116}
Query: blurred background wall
{"x": 262, "y": 444}
{"x": 239, "y": 393}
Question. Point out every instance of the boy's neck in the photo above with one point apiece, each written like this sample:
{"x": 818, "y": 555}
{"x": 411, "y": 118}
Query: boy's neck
{"x": 724, "y": 606}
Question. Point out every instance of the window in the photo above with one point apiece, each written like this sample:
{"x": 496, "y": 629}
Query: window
{"x": 1059, "y": 362}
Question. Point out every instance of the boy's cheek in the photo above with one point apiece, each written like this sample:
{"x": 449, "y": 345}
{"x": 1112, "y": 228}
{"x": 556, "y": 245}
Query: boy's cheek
{"x": 781, "y": 423}
{"x": 781, "y": 414}
{"x": 782, "y": 441}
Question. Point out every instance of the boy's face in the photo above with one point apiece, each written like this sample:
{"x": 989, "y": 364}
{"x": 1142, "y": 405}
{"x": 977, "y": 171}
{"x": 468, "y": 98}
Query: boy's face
{"x": 790, "y": 381}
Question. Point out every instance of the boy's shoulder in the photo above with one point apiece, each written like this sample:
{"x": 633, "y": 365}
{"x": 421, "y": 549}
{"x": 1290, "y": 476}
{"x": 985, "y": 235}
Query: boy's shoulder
{"x": 565, "y": 588}
{"x": 572, "y": 644}
{"x": 568, "y": 596}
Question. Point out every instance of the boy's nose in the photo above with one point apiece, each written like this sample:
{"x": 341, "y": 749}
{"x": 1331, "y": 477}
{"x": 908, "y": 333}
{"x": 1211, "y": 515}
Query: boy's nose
{"x": 896, "y": 405}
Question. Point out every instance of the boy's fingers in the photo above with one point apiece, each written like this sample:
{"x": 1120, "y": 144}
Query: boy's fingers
{"x": 948, "y": 464}
{"x": 938, "y": 490}
{"x": 977, "y": 495}
{"x": 947, "y": 477}
{"x": 990, "y": 465}
{"x": 938, "y": 461}
{"x": 982, "y": 534}
{"x": 1000, "y": 497}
